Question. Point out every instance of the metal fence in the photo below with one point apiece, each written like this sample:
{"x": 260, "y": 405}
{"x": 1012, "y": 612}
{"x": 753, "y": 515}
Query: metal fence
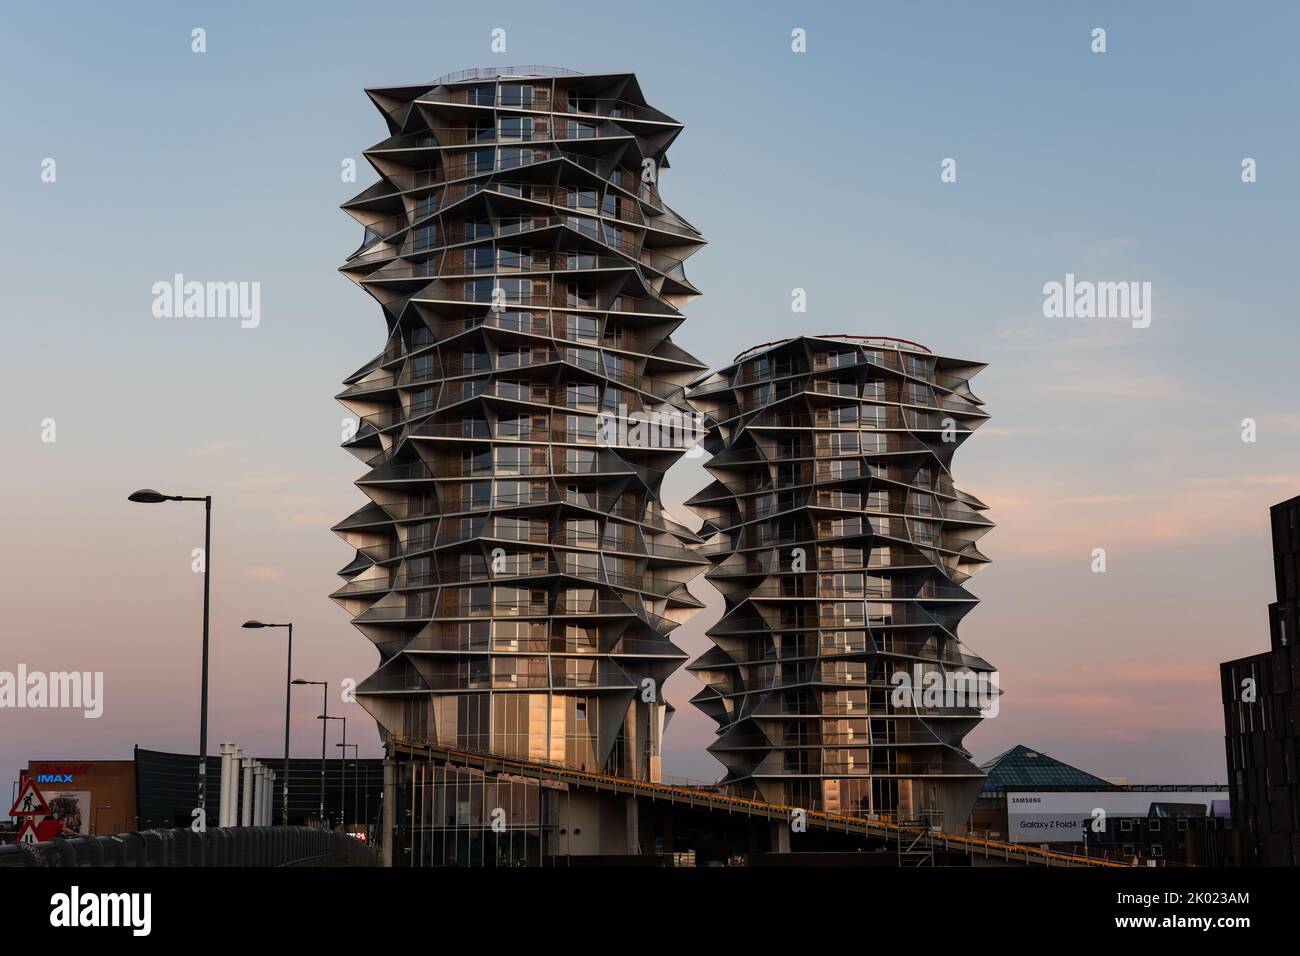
{"x": 229, "y": 846}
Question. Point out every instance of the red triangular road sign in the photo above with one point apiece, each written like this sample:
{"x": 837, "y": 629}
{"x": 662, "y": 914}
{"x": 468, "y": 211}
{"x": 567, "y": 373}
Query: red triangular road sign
{"x": 27, "y": 832}
{"x": 30, "y": 803}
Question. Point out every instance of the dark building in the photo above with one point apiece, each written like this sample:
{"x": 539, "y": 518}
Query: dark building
{"x": 165, "y": 784}
{"x": 1260, "y": 695}
{"x": 842, "y": 546}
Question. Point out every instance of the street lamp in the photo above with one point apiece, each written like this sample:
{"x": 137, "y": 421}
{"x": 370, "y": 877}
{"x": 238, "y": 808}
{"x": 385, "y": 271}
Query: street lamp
{"x": 356, "y": 755}
{"x": 325, "y": 688}
{"x": 343, "y": 770}
{"x": 150, "y": 497}
{"x": 288, "y": 675}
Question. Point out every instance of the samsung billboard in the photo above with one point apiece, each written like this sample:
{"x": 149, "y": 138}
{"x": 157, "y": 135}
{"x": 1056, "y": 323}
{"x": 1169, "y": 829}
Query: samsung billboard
{"x": 1060, "y": 817}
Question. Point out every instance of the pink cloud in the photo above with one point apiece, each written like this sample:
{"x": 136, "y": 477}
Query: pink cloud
{"x": 1032, "y": 522}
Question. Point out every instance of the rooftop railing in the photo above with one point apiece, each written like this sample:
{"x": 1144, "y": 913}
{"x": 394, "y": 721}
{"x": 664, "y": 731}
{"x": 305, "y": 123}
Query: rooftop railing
{"x": 493, "y": 72}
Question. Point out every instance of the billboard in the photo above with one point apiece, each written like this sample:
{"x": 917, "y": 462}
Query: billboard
{"x": 1052, "y": 817}
{"x": 72, "y": 808}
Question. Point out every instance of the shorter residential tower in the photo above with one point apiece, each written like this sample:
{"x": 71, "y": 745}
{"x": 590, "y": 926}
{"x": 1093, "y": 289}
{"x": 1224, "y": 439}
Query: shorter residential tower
{"x": 841, "y": 545}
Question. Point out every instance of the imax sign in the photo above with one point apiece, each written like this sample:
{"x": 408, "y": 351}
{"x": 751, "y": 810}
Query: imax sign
{"x": 58, "y": 772}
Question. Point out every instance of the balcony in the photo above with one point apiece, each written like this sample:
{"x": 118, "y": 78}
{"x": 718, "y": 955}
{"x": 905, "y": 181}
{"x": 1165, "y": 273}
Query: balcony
{"x": 592, "y": 607}
{"x": 411, "y": 471}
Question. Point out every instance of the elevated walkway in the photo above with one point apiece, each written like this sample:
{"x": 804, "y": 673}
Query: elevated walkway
{"x": 911, "y": 839}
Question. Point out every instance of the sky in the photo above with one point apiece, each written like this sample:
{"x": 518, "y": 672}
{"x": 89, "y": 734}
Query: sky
{"x": 818, "y": 170}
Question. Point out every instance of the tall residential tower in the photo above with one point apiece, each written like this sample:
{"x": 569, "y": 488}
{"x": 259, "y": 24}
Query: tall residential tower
{"x": 513, "y": 566}
{"x": 840, "y": 544}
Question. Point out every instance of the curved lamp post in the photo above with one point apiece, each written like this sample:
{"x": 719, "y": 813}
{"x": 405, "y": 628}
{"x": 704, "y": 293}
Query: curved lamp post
{"x": 326, "y": 702}
{"x": 356, "y": 773}
{"x": 150, "y": 497}
{"x": 288, "y": 686}
{"x": 343, "y": 771}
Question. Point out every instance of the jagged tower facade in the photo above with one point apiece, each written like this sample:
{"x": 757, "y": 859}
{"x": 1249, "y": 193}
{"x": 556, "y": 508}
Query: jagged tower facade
{"x": 513, "y": 566}
{"x": 840, "y": 545}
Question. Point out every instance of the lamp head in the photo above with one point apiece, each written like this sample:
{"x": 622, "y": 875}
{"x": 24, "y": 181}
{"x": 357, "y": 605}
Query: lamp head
{"x": 147, "y": 496}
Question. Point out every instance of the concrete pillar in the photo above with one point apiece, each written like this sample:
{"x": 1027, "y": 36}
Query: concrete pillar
{"x": 267, "y": 813}
{"x": 236, "y": 762}
{"x": 227, "y": 760}
{"x": 259, "y": 801}
{"x": 390, "y": 804}
{"x": 265, "y": 792}
{"x": 780, "y": 837}
{"x": 259, "y": 791}
{"x": 235, "y": 770}
{"x": 246, "y": 812}
{"x": 232, "y": 817}
{"x": 633, "y": 827}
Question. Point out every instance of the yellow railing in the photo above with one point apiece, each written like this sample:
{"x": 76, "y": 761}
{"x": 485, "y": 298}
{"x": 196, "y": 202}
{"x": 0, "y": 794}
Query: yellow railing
{"x": 700, "y": 796}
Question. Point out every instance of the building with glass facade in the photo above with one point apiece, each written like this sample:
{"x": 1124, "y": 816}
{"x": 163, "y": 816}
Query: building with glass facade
{"x": 841, "y": 545}
{"x": 514, "y": 568}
